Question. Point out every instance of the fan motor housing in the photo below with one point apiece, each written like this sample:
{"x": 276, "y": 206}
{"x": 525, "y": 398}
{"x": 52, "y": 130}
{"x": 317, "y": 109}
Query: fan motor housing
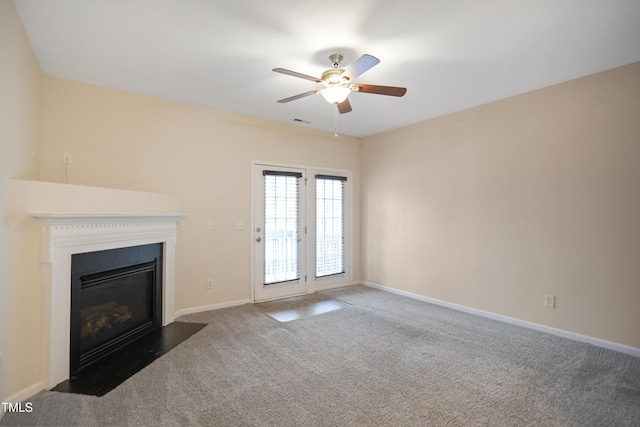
{"x": 332, "y": 76}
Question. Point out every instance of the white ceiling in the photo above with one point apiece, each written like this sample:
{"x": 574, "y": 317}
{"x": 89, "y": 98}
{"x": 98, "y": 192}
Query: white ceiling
{"x": 449, "y": 54}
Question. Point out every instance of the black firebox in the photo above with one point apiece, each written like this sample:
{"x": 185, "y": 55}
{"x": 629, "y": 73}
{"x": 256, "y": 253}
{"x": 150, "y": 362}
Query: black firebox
{"x": 116, "y": 298}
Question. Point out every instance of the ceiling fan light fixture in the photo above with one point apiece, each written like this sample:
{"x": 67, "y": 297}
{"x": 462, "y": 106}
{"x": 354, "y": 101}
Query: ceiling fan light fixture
{"x": 336, "y": 93}
{"x": 337, "y": 82}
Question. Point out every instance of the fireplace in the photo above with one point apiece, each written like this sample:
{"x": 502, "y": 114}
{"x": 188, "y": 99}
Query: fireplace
{"x": 116, "y": 297}
{"x": 66, "y": 236}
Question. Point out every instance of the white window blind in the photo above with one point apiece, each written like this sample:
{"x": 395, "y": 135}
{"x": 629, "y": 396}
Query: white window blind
{"x": 330, "y": 213}
{"x": 281, "y": 226}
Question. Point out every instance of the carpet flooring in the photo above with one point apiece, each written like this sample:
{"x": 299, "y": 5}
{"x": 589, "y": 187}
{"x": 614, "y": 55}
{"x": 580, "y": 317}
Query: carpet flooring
{"x": 381, "y": 360}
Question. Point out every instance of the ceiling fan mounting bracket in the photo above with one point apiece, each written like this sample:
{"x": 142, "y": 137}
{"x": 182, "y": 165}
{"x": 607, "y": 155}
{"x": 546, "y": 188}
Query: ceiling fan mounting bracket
{"x": 336, "y": 59}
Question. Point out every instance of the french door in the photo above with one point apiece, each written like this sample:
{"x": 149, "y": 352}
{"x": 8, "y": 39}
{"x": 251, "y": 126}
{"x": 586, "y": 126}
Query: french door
{"x": 279, "y": 232}
{"x": 302, "y": 240}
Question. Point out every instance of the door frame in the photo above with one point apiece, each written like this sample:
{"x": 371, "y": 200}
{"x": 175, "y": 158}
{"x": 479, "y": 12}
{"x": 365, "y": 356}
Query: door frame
{"x": 313, "y": 283}
{"x": 285, "y": 288}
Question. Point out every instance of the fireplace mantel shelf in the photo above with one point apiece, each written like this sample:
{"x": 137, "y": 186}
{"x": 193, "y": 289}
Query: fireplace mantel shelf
{"x": 103, "y": 219}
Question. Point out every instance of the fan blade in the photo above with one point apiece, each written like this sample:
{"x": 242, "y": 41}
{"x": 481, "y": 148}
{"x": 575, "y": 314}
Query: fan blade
{"x": 344, "y": 106}
{"x": 296, "y": 74}
{"x": 362, "y": 64}
{"x": 380, "y": 90}
{"x": 300, "y": 95}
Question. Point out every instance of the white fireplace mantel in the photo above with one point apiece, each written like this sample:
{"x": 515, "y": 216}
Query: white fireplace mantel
{"x": 64, "y": 235}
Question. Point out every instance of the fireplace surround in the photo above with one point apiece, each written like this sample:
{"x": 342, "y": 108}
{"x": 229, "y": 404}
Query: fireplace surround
{"x": 65, "y": 235}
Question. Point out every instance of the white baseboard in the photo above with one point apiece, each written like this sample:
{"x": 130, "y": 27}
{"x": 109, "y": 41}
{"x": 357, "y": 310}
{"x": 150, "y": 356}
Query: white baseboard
{"x": 332, "y": 286}
{"x": 632, "y": 351}
{"x": 218, "y": 306}
{"x": 25, "y": 393}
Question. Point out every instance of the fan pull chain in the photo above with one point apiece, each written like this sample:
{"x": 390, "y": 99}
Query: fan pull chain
{"x": 335, "y": 121}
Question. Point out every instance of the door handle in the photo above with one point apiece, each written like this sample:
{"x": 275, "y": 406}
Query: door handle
{"x": 258, "y": 239}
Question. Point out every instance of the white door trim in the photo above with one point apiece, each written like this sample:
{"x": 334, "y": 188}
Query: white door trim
{"x": 313, "y": 284}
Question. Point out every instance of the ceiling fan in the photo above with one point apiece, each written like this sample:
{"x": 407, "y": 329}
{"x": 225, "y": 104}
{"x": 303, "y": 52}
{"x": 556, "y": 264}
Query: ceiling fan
{"x": 338, "y": 82}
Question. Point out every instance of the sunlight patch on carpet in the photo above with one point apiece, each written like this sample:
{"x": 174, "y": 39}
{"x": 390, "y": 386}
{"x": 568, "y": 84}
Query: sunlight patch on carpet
{"x": 302, "y": 307}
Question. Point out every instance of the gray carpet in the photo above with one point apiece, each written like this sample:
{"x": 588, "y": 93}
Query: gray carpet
{"x": 381, "y": 360}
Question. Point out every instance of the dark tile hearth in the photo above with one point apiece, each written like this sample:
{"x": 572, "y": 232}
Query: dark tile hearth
{"x": 108, "y": 373}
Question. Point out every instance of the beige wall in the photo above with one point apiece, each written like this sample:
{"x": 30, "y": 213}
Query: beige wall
{"x": 20, "y": 116}
{"x": 495, "y": 206}
{"x": 128, "y": 141}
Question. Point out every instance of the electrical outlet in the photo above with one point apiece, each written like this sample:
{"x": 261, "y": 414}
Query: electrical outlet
{"x": 210, "y": 225}
{"x": 239, "y": 225}
{"x": 209, "y": 283}
{"x": 66, "y": 158}
{"x": 549, "y": 301}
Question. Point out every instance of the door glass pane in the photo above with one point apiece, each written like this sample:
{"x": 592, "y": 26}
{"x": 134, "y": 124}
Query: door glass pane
{"x": 281, "y": 227}
{"x": 329, "y": 226}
